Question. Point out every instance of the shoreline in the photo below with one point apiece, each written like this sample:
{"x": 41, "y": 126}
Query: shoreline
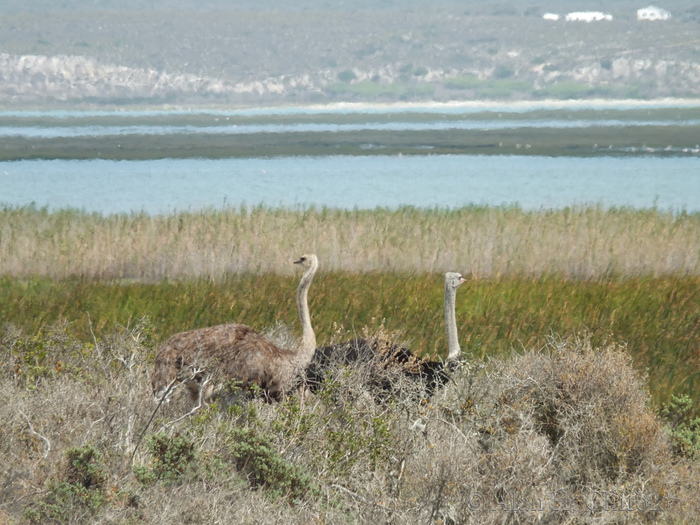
{"x": 475, "y": 106}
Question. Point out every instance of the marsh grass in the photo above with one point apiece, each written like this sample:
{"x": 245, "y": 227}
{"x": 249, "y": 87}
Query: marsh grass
{"x": 552, "y": 141}
{"x": 565, "y": 433}
{"x": 580, "y": 243}
{"x": 656, "y": 317}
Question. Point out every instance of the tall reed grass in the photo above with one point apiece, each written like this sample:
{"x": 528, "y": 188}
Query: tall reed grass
{"x": 581, "y": 243}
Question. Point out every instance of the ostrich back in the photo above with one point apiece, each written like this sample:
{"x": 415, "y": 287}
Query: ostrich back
{"x": 234, "y": 351}
{"x": 384, "y": 355}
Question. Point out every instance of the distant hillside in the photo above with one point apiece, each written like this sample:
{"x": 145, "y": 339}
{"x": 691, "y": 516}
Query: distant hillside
{"x": 104, "y": 52}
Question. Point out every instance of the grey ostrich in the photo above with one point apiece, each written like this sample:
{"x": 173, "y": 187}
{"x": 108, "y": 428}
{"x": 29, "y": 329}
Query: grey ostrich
{"x": 390, "y": 356}
{"x": 236, "y": 352}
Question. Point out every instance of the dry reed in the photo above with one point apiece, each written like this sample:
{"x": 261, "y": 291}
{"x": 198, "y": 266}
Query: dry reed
{"x": 586, "y": 243}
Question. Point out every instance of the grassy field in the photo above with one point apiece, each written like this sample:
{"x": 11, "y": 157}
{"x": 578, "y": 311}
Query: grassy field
{"x": 623, "y": 275}
{"x": 657, "y": 318}
{"x": 580, "y": 331}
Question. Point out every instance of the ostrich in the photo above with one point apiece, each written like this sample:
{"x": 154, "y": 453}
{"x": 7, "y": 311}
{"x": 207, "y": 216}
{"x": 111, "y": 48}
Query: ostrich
{"x": 389, "y": 356}
{"x": 236, "y": 352}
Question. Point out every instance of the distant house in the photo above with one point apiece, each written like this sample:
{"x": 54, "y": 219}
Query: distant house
{"x": 550, "y": 16}
{"x": 587, "y": 16}
{"x": 652, "y": 13}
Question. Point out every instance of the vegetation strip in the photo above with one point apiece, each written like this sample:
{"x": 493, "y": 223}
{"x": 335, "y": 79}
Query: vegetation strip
{"x": 590, "y": 141}
{"x": 657, "y": 318}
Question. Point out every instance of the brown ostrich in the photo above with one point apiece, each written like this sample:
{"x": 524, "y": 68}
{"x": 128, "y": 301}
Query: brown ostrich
{"x": 390, "y": 356}
{"x": 234, "y": 352}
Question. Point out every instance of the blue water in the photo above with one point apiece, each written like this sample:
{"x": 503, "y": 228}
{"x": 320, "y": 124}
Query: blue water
{"x": 533, "y": 183}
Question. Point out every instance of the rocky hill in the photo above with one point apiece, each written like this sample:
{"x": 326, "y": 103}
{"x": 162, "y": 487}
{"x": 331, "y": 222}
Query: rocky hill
{"x": 249, "y": 56}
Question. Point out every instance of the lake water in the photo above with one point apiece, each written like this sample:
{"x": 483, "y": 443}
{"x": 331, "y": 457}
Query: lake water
{"x": 163, "y": 186}
{"x": 447, "y": 181}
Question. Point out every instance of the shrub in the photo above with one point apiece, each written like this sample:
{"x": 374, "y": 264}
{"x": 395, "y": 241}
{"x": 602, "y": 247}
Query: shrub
{"x": 562, "y": 435}
{"x": 172, "y": 457}
{"x": 420, "y": 71}
{"x": 502, "y": 72}
{"x": 347, "y": 76}
{"x": 77, "y": 493}
{"x": 256, "y": 458}
{"x": 684, "y": 430}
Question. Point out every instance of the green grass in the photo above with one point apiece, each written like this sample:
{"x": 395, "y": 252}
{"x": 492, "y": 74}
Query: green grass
{"x": 378, "y": 90}
{"x": 656, "y": 317}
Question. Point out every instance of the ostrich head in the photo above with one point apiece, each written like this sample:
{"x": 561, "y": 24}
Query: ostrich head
{"x": 307, "y": 261}
{"x": 453, "y": 280}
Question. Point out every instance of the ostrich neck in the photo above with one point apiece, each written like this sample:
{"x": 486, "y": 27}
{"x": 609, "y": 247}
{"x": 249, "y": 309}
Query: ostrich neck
{"x": 454, "y": 351}
{"x": 308, "y": 338}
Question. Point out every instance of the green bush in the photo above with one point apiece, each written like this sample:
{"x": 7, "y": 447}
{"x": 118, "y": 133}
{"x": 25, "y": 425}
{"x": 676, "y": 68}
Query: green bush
{"x": 77, "y": 493}
{"x": 463, "y": 82}
{"x": 685, "y": 431}
{"x": 172, "y": 457}
{"x": 347, "y": 76}
{"x": 256, "y": 458}
{"x": 502, "y": 72}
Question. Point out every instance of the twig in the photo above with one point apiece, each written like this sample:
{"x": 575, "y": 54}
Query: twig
{"x": 150, "y": 420}
{"x": 164, "y": 397}
{"x": 94, "y": 338}
{"x": 365, "y": 500}
{"x": 31, "y": 429}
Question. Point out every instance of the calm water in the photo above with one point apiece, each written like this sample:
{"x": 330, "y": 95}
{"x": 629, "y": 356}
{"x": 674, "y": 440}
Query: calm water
{"x": 164, "y": 186}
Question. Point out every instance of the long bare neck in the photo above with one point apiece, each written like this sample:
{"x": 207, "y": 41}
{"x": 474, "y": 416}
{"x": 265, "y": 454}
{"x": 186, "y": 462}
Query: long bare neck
{"x": 454, "y": 351}
{"x": 308, "y": 338}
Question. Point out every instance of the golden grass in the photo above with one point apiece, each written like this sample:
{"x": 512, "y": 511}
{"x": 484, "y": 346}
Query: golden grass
{"x": 580, "y": 243}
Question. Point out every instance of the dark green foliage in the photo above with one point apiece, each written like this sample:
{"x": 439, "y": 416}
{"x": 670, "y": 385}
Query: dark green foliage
{"x": 353, "y": 440}
{"x": 503, "y": 72}
{"x": 346, "y": 76}
{"x": 685, "y": 430}
{"x": 172, "y": 456}
{"x": 258, "y": 460}
{"x": 82, "y": 469}
{"x": 76, "y": 493}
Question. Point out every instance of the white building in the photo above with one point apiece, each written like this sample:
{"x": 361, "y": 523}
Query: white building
{"x": 550, "y": 16}
{"x": 652, "y": 13}
{"x": 587, "y": 16}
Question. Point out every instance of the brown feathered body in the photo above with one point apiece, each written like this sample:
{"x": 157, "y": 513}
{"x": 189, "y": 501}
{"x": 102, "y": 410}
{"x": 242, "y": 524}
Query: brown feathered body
{"x": 224, "y": 353}
{"x": 206, "y": 359}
